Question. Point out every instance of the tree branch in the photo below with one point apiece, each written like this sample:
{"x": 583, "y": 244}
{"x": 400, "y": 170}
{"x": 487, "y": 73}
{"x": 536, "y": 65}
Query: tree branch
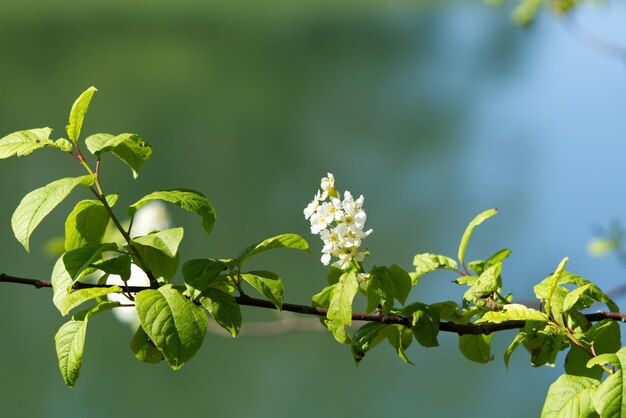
{"x": 244, "y": 300}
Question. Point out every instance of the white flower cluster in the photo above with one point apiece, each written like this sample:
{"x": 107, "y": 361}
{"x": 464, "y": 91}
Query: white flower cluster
{"x": 339, "y": 223}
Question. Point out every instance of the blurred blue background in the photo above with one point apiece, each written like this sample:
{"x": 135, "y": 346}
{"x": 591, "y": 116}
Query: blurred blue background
{"x": 433, "y": 110}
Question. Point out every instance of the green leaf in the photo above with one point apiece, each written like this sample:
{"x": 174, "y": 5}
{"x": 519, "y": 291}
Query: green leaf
{"x": 70, "y": 341}
{"x": 77, "y": 114}
{"x": 367, "y": 337}
{"x": 119, "y": 266}
{"x": 64, "y": 298}
{"x": 339, "y": 313}
{"x": 280, "y": 241}
{"x": 552, "y": 284}
{"x": 541, "y": 289}
{"x": 426, "y": 262}
{"x": 401, "y": 283}
{"x": 425, "y": 323}
{"x": 488, "y": 282}
{"x": 86, "y": 224}
{"x": 610, "y": 398}
{"x": 544, "y": 342}
{"x": 513, "y": 312}
{"x": 189, "y": 200}
{"x": 268, "y": 284}
{"x": 380, "y": 290}
{"x": 79, "y": 260}
{"x": 36, "y": 205}
{"x": 592, "y": 291}
{"x": 23, "y": 143}
{"x": 480, "y": 265}
{"x": 175, "y": 325}
{"x": 132, "y": 149}
{"x": 144, "y": 349}
{"x": 573, "y": 297}
{"x": 400, "y": 338}
{"x": 449, "y": 311}
{"x": 604, "y": 337}
{"x": 519, "y": 338}
{"x": 476, "y": 347}
{"x": 468, "y": 280}
{"x": 159, "y": 250}
{"x": 470, "y": 228}
{"x": 200, "y": 273}
{"x": 604, "y": 359}
{"x": 322, "y": 299}
{"x": 224, "y": 309}
{"x": 78, "y": 297}
{"x": 333, "y": 275}
{"x": 63, "y": 144}
{"x": 570, "y": 396}
{"x": 497, "y": 257}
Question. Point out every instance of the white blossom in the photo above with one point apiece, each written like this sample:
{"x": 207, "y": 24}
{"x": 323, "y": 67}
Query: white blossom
{"x": 328, "y": 186}
{"x": 340, "y": 224}
{"x": 312, "y": 207}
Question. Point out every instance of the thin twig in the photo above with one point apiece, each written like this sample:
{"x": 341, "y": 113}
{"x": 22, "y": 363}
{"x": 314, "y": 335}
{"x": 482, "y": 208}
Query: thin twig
{"x": 484, "y": 328}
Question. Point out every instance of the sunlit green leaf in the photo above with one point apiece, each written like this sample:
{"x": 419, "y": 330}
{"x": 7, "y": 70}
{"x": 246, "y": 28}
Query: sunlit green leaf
{"x": 268, "y": 284}
{"x": 36, "y": 205}
{"x": 573, "y": 297}
{"x": 513, "y": 312}
{"x": 425, "y": 263}
{"x": 488, "y": 282}
{"x": 175, "y": 325}
{"x": 159, "y": 250}
{"x": 223, "y": 308}
{"x": 610, "y": 398}
{"x": 63, "y": 144}
{"x": 23, "y": 143}
{"x": 480, "y": 265}
{"x": 77, "y": 113}
{"x": 340, "y": 307}
{"x": 280, "y": 241}
{"x": 470, "y": 228}
{"x": 591, "y": 289}
{"x": 544, "y": 342}
{"x": 80, "y": 296}
{"x": 190, "y": 200}
{"x": 570, "y": 396}
{"x": 70, "y": 341}
{"x": 552, "y": 284}
{"x": 64, "y": 298}
{"x": 519, "y": 338}
{"x": 132, "y": 149}
{"x": 86, "y": 224}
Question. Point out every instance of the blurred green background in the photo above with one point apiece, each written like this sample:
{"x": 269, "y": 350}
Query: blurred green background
{"x": 433, "y": 110}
